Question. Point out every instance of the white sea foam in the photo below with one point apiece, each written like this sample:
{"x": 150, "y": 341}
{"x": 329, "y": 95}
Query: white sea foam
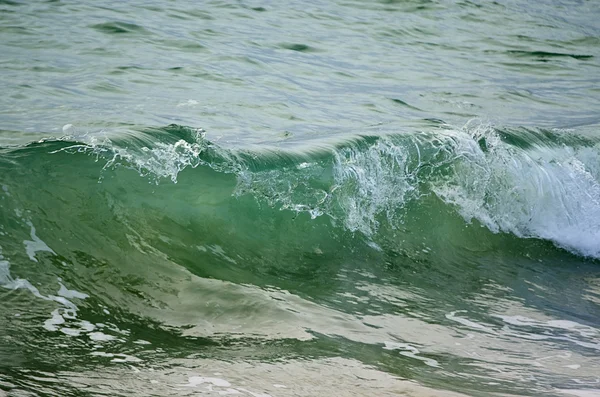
{"x": 117, "y": 357}
{"x": 221, "y": 387}
{"x": 162, "y": 160}
{"x": 4, "y": 269}
{"x": 198, "y": 380}
{"x": 100, "y": 337}
{"x": 64, "y": 318}
{"x": 35, "y": 244}
{"x": 372, "y": 182}
{"x": 53, "y": 322}
{"x": 579, "y": 334}
{"x": 410, "y": 351}
{"x": 548, "y": 192}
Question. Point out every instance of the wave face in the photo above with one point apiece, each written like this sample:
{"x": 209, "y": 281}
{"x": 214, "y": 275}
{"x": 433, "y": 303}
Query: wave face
{"x": 163, "y": 238}
{"x": 529, "y": 183}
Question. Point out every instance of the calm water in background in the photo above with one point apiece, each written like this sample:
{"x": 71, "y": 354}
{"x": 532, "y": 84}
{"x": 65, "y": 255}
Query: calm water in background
{"x": 300, "y": 198}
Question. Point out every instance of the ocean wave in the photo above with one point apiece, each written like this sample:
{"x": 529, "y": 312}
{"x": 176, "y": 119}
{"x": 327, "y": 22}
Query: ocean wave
{"x": 530, "y": 183}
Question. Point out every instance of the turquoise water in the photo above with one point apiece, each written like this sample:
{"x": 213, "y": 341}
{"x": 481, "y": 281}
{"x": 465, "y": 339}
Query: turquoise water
{"x": 301, "y": 199}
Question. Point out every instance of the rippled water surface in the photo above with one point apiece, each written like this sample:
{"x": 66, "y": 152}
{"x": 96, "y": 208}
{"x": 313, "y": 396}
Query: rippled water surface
{"x": 369, "y": 198}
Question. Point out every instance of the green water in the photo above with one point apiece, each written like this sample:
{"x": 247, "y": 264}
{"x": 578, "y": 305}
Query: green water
{"x": 301, "y": 199}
